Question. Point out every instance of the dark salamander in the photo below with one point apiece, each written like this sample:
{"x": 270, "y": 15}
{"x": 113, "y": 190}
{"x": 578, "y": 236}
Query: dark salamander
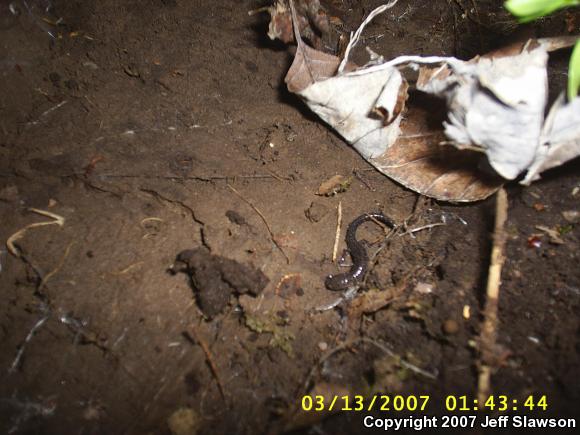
{"x": 358, "y": 254}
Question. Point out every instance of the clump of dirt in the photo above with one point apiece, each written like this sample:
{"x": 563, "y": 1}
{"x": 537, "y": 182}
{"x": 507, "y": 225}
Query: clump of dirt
{"x": 217, "y": 278}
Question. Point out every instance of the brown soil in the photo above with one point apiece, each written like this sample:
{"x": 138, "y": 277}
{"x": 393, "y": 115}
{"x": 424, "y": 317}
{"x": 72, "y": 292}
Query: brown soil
{"x": 159, "y": 126}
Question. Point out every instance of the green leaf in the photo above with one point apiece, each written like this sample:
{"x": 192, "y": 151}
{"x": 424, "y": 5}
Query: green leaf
{"x": 574, "y": 72}
{"x": 529, "y": 10}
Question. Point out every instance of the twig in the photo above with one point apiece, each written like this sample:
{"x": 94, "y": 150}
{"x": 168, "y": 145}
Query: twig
{"x": 272, "y": 238}
{"x": 46, "y": 112}
{"x": 337, "y": 234}
{"x": 210, "y": 362}
{"x": 416, "y": 212}
{"x": 424, "y": 227}
{"x": 489, "y": 328}
{"x": 259, "y": 10}
{"x": 276, "y": 176}
{"x": 57, "y": 220}
{"x": 358, "y": 175}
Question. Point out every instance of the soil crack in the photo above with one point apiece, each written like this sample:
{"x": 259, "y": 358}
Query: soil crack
{"x": 175, "y": 202}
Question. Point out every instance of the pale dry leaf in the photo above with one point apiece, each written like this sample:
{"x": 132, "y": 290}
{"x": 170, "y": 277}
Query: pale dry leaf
{"x": 492, "y": 118}
{"x": 497, "y": 102}
{"x": 560, "y": 139}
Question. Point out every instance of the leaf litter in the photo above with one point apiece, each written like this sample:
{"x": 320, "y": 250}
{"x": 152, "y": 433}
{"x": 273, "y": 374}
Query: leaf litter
{"x": 492, "y": 127}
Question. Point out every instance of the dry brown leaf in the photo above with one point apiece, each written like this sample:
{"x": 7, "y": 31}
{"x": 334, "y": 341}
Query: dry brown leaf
{"x": 420, "y": 163}
{"x": 309, "y": 65}
{"x": 334, "y": 185}
{"x": 369, "y": 303}
{"x": 312, "y": 19}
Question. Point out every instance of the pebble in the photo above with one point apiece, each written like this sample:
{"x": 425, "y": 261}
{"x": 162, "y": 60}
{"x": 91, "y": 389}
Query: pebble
{"x": 572, "y": 216}
{"x": 450, "y": 327}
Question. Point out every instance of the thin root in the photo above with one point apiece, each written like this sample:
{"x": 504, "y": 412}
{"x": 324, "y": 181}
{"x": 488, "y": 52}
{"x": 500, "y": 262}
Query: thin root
{"x": 210, "y": 361}
{"x": 46, "y": 277}
{"x": 424, "y": 227}
{"x": 272, "y": 238}
{"x": 10, "y": 243}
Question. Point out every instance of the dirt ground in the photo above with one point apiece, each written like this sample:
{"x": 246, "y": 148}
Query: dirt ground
{"x": 153, "y": 127}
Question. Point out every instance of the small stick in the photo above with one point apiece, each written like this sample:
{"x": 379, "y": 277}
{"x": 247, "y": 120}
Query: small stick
{"x": 488, "y": 334}
{"x": 210, "y": 362}
{"x": 358, "y": 175}
{"x": 259, "y": 10}
{"x": 337, "y": 235}
{"x": 424, "y": 227}
{"x": 274, "y": 175}
{"x": 272, "y": 238}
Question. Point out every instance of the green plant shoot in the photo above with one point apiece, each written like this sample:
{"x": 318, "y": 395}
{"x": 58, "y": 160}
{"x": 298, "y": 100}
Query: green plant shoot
{"x": 529, "y": 10}
{"x": 574, "y": 72}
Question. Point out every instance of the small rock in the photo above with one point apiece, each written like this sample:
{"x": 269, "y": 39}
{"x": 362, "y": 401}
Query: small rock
{"x": 94, "y": 411}
{"x": 450, "y": 327}
{"x": 466, "y": 312}
{"x": 572, "y": 216}
{"x": 323, "y": 346}
{"x": 91, "y": 65}
{"x": 424, "y": 287}
{"x": 516, "y": 273}
{"x": 184, "y": 421}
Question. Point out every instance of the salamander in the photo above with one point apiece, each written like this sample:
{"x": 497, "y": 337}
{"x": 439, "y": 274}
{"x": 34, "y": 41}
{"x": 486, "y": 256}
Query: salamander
{"x": 360, "y": 259}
